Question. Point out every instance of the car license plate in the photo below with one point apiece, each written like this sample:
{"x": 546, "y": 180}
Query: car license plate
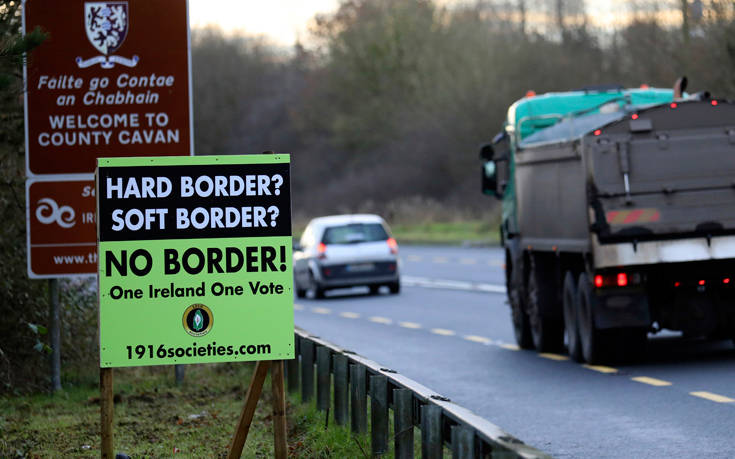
{"x": 360, "y": 268}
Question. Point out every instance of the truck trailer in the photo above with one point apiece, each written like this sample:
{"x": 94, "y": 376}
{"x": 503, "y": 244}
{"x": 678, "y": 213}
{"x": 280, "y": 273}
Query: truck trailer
{"x": 618, "y": 218}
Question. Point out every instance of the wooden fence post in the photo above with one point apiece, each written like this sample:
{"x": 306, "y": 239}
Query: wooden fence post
{"x": 431, "y": 432}
{"x": 307, "y": 370}
{"x": 341, "y": 388}
{"x": 358, "y": 402}
{"x": 107, "y": 410}
{"x": 280, "y": 427}
{"x": 403, "y": 423}
{"x": 463, "y": 443}
{"x": 323, "y": 378}
{"x": 379, "y": 414}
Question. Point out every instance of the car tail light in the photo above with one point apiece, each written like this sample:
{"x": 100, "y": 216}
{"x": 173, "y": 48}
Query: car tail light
{"x": 321, "y": 251}
{"x": 393, "y": 245}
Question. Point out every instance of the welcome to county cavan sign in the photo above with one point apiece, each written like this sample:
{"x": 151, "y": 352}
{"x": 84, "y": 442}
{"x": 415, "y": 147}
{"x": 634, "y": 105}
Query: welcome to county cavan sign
{"x": 194, "y": 259}
{"x": 111, "y": 79}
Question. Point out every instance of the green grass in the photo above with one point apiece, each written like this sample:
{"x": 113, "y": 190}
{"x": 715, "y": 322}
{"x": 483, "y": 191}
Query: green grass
{"x": 156, "y": 418}
{"x": 459, "y": 232}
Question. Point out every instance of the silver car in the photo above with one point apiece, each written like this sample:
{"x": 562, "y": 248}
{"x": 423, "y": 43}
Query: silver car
{"x": 343, "y": 251}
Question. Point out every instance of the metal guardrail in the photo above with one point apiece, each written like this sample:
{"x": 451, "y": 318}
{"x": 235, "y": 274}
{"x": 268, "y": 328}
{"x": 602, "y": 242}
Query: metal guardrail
{"x": 442, "y": 423}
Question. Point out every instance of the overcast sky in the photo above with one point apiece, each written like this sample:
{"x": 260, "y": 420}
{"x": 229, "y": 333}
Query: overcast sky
{"x": 283, "y": 21}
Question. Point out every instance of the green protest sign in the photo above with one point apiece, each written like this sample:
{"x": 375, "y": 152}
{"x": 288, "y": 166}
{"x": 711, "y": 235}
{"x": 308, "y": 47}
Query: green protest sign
{"x": 194, "y": 259}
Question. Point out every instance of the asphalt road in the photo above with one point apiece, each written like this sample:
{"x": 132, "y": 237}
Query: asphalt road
{"x": 449, "y": 329}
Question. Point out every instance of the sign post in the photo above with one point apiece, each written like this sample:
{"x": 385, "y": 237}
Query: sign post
{"x": 195, "y": 264}
{"x": 112, "y": 78}
{"x": 97, "y": 87}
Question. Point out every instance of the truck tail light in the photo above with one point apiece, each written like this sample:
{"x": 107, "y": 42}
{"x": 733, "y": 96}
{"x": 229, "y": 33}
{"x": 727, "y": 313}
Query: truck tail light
{"x": 393, "y": 245}
{"x": 620, "y": 279}
{"x": 321, "y": 250}
{"x": 726, "y": 280}
{"x": 598, "y": 281}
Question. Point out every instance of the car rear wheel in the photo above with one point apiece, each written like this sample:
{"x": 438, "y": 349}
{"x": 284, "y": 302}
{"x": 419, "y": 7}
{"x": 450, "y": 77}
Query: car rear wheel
{"x": 374, "y": 289}
{"x": 316, "y": 287}
{"x": 394, "y": 287}
{"x": 300, "y": 292}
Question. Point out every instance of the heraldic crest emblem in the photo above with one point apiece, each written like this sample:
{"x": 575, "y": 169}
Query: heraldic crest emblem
{"x": 106, "y": 24}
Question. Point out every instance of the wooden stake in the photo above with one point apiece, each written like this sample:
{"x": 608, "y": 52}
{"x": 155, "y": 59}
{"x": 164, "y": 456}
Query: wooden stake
{"x": 106, "y": 412}
{"x": 279, "y": 410}
{"x": 248, "y": 410}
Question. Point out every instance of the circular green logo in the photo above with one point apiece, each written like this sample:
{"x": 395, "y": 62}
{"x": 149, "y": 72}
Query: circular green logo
{"x": 197, "y": 320}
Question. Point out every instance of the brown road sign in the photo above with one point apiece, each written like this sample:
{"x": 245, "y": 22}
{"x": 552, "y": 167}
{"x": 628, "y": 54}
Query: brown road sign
{"x": 61, "y": 228}
{"x": 112, "y": 79}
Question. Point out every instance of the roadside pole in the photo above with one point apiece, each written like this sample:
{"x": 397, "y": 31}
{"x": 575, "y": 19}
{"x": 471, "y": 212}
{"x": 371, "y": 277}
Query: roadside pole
{"x": 55, "y": 334}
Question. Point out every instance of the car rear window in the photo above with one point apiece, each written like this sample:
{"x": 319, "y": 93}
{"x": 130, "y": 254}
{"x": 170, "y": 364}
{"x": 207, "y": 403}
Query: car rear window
{"x": 354, "y": 232}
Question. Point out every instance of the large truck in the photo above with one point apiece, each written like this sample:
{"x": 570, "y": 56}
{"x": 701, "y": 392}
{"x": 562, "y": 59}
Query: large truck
{"x": 618, "y": 218}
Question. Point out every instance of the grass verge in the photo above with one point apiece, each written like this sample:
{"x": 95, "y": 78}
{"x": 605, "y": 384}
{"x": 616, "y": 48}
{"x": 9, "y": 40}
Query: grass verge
{"x": 451, "y": 233}
{"x": 156, "y": 418}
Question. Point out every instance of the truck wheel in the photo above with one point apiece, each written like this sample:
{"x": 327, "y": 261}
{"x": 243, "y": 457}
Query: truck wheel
{"x": 571, "y": 322}
{"x": 521, "y": 324}
{"x": 590, "y": 336}
{"x": 547, "y": 331}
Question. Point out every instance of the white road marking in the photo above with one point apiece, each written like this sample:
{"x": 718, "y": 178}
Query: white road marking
{"x": 440, "y": 260}
{"x": 414, "y": 258}
{"x": 413, "y": 281}
{"x": 478, "y": 339}
{"x": 412, "y": 325}
{"x": 443, "y": 332}
{"x": 651, "y": 381}
{"x": 468, "y": 261}
{"x": 298, "y": 307}
{"x": 550, "y": 356}
{"x": 712, "y": 397}
{"x": 349, "y": 315}
{"x": 601, "y": 368}
{"x": 321, "y": 310}
{"x": 381, "y": 320}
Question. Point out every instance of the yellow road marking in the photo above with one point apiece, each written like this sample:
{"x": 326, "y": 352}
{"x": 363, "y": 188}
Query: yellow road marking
{"x": 381, "y": 320}
{"x": 349, "y": 315}
{"x": 442, "y": 331}
{"x": 439, "y": 260}
{"x": 478, "y": 339}
{"x": 413, "y": 325}
{"x": 413, "y": 258}
{"x": 321, "y": 310}
{"x": 601, "y": 368}
{"x": 510, "y": 347}
{"x": 298, "y": 307}
{"x": 651, "y": 381}
{"x": 712, "y": 397}
{"x": 550, "y": 356}
{"x": 468, "y": 261}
